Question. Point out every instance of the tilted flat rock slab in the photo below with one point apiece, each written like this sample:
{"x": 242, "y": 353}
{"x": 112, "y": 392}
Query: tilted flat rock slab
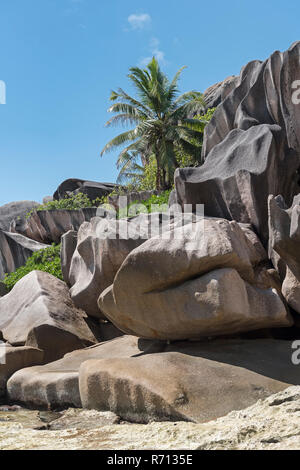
{"x": 13, "y": 359}
{"x": 15, "y": 249}
{"x": 41, "y": 301}
{"x": 188, "y": 381}
{"x": 56, "y": 385}
{"x": 49, "y": 226}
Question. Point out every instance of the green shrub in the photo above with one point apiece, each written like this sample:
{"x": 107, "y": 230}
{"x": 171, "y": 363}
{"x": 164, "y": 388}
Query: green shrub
{"x": 47, "y": 260}
{"x": 145, "y": 207}
{"x": 77, "y": 201}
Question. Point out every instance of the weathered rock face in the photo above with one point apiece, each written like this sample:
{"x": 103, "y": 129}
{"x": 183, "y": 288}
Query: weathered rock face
{"x": 238, "y": 176}
{"x": 154, "y": 297}
{"x": 91, "y": 188}
{"x": 95, "y": 260}
{"x": 39, "y": 312}
{"x": 49, "y": 226}
{"x": 251, "y": 146}
{"x": 16, "y": 359}
{"x": 56, "y": 385}
{"x": 91, "y": 259}
{"x": 188, "y": 381}
{"x": 284, "y": 246}
{"x": 15, "y": 249}
{"x": 217, "y": 303}
{"x": 13, "y": 210}
{"x": 216, "y": 94}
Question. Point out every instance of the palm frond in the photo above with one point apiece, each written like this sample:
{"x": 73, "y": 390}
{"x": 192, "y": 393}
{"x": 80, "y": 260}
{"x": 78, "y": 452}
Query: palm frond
{"x": 119, "y": 140}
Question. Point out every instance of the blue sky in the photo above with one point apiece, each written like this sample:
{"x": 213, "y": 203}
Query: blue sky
{"x": 61, "y": 58}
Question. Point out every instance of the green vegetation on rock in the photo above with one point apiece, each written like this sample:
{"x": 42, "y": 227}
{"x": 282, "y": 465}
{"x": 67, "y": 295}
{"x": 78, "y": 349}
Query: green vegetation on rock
{"x": 74, "y": 202}
{"x": 47, "y": 260}
{"x": 156, "y": 203}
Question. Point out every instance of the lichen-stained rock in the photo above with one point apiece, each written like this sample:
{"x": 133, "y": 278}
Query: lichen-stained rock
{"x": 92, "y": 189}
{"x": 176, "y": 288}
{"x": 251, "y": 146}
{"x": 284, "y": 246}
{"x": 14, "y": 210}
{"x": 15, "y": 249}
{"x": 56, "y": 385}
{"x": 102, "y": 246}
{"x": 49, "y": 226}
{"x": 13, "y": 359}
{"x": 188, "y": 381}
{"x": 41, "y": 302}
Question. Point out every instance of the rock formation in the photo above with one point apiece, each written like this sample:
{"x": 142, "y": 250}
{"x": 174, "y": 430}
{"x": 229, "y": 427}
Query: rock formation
{"x": 15, "y": 359}
{"x": 56, "y": 385}
{"x": 284, "y": 246}
{"x": 38, "y": 312}
{"x": 188, "y": 381}
{"x": 251, "y": 146}
{"x": 49, "y": 226}
{"x": 180, "y": 288}
{"x": 216, "y": 94}
{"x": 190, "y": 294}
{"x": 14, "y": 210}
{"x": 91, "y": 188}
{"x": 15, "y": 249}
{"x": 91, "y": 259}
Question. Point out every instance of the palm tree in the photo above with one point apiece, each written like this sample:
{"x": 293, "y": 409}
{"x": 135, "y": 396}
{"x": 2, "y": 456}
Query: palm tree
{"x": 163, "y": 123}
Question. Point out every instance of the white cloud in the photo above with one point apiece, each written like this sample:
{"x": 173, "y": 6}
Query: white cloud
{"x": 156, "y": 52}
{"x": 139, "y": 21}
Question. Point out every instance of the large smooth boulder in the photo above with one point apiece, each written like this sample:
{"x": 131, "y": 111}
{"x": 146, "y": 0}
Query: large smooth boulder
{"x": 217, "y": 303}
{"x": 15, "y": 249}
{"x": 91, "y": 259}
{"x": 179, "y": 288}
{"x": 49, "y": 226}
{"x": 251, "y": 146}
{"x": 56, "y": 385}
{"x": 284, "y": 246}
{"x": 13, "y": 359}
{"x": 92, "y": 189}
{"x": 39, "y": 312}
{"x": 14, "y": 210}
{"x": 188, "y": 381}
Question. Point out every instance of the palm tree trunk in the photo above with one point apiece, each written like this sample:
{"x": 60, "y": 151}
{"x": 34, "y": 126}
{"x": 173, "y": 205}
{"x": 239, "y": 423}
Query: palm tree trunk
{"x": 158, "y": 178}
{"x": 158, "y": 171}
